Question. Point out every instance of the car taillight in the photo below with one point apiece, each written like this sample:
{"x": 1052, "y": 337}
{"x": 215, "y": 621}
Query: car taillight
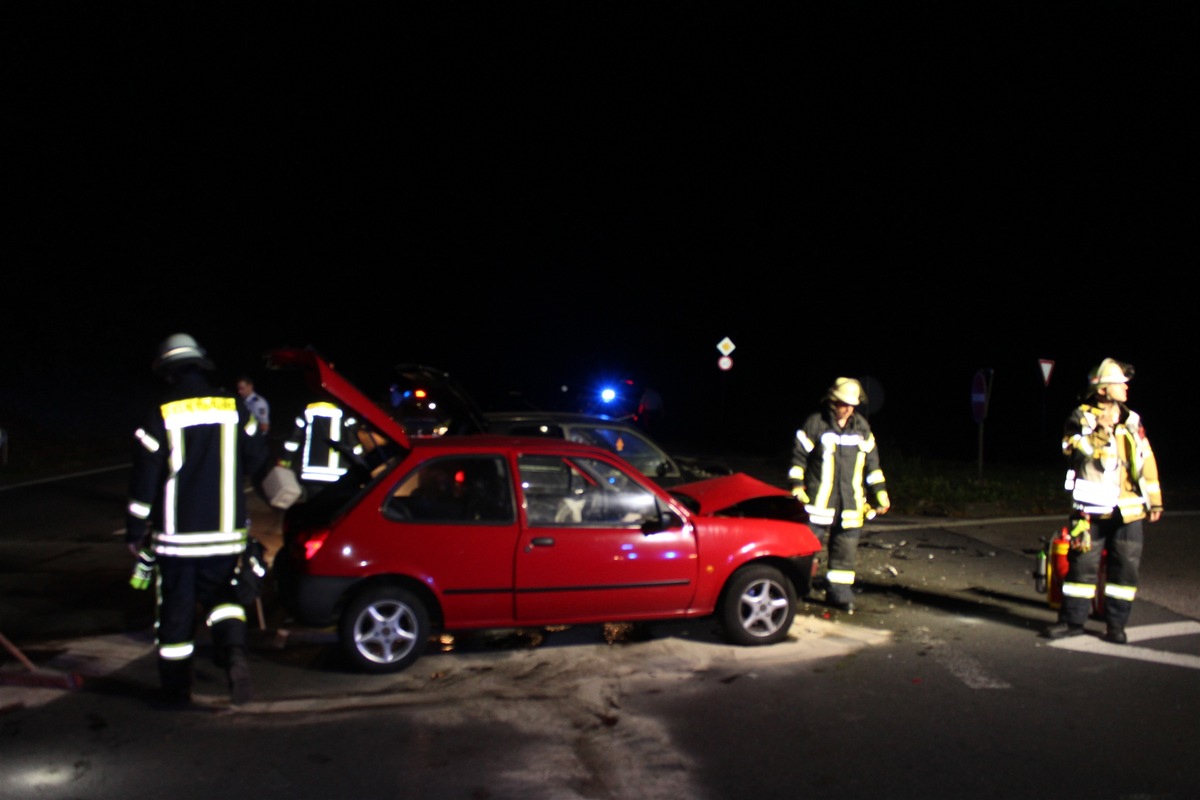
{"x": 313, "y": 543}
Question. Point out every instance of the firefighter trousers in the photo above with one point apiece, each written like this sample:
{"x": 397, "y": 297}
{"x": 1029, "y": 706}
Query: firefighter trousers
{"x": 185, "y": 586}
{"x": 1118, "y": 544}
{"x": 840, "y": 553}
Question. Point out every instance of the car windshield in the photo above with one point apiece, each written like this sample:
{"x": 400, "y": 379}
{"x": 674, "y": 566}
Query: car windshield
{"x": 638, "y": 451}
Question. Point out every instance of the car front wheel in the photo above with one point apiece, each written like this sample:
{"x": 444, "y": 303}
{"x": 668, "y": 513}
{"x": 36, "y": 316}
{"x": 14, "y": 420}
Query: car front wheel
{"x": 384, "y": 629}
{"x": 758, "y": 606}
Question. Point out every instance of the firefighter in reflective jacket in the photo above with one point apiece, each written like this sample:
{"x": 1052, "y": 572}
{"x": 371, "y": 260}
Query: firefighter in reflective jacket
{"x": 187, "y": 515}
{"x": 310, "y": 448}
{"x": 1113, "y": 479}
{"x": 326, "y": 443}
{"x": 836, "y": 474}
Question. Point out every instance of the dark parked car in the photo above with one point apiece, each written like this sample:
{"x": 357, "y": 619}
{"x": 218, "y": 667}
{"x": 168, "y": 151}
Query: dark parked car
{"x": 430, "y": 403}
{"x": 617, "y": 435}
{"x": 456, "y": 533}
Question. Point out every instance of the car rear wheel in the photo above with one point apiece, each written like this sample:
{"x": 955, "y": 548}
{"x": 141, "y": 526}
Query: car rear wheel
{"x": 758, "y": 606}
{"x": 384, "y": 629}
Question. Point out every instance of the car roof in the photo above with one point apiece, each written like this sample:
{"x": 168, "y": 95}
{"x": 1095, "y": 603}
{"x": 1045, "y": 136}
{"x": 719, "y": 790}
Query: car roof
{"x": 557, "y": 417}
{"x": 495, "y": 442}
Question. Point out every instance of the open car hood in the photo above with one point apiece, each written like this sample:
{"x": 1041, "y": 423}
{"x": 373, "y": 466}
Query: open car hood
{"x": 327, "y": 382}
{"x": 741, "y": 495}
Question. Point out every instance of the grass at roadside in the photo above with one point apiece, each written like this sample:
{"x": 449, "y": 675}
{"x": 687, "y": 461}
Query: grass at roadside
{"x": 952, "y": 489}
{"x": 955, "y": 489}
{"x": 940, "y": 488}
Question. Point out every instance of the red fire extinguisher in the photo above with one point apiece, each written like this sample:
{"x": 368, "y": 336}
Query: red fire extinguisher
{"x": 1051, "y": 570}
{"x": 1059, "y": 546}
{"x": 1051, "y": 566}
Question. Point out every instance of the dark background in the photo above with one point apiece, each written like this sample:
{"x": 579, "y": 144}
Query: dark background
{"x": 545, "y": 196}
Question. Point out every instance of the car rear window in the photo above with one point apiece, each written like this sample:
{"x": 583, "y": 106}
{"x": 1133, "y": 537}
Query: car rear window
{"x": 454, "y": 489}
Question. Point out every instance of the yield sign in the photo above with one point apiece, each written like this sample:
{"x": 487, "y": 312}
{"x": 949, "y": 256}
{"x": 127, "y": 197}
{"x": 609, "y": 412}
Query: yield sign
{"x": 1047, "y": 368}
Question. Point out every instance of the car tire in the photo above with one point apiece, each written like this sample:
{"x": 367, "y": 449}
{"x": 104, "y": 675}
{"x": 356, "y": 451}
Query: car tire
{"x": 758, "y": 606}
{"x": 384, "y": 629}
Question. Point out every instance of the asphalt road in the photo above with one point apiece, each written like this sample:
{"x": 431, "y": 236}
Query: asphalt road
{"x": 937, "y": 686}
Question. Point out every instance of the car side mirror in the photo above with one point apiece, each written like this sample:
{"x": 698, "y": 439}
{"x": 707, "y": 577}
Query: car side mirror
{"x": 666, "y": 521}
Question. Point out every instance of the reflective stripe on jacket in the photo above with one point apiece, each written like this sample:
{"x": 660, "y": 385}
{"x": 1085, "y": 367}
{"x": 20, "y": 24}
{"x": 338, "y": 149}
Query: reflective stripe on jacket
{"x": 1110, "y": 468}
{"x": 837, "y": 469}
{"x": 187, "y": 483}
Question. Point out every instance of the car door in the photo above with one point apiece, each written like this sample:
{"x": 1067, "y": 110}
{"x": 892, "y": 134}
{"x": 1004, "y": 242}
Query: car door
{"x": 583, "y": 555}
{"x": 450, "y": 522}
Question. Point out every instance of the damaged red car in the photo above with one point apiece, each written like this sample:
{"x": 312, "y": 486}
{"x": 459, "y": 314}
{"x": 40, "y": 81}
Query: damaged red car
{"x": 481, "y": 532}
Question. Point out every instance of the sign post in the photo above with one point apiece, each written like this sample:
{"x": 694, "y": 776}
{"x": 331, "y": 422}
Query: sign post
{"x": 724, "y": 363}
{"x": 981, "y": 393}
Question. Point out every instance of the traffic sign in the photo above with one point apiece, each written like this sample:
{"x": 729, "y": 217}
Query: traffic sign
{"x": 1047, "y": 368}
{"x": 725, "y": 363}
{"x": 726, "y": 346}
{"x": 979, "y": 395}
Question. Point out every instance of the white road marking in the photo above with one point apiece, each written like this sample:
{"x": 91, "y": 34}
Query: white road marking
{"x": 960, "y": 665}
{"x": 1141, "y": 633}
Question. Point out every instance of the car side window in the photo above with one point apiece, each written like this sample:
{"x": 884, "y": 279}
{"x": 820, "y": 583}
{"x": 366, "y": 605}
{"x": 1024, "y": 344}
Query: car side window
{"x": 582, "y": 492}
{"x": 455, "y": 489}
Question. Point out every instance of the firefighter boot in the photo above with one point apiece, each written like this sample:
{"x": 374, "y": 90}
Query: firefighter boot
{"x": 1071, "y": 615}
{"x": 241, "y": 691}
{"x": 175, "y": 678}
{"x": 840, "y": 596}
{"x": 1061, "y": 630}
{"x": 1116, "y": 613}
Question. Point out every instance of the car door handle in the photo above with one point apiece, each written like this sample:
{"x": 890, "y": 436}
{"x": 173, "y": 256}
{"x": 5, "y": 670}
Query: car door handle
{"x": 540, "y": 541}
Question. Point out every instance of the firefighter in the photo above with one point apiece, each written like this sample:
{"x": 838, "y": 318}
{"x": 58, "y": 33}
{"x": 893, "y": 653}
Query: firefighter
{"x": 1113, "y": 479}
{"x": 309, "y": 450}
{"x": 187, "y": 514}
{"x": 835, "y": 472}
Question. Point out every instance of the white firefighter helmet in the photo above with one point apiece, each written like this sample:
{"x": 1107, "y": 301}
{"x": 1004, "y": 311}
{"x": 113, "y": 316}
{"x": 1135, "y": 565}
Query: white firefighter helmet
{"x": 848, "y": 391}
{"x": 179, "y": 348}
{"x": 1110, "y": 371}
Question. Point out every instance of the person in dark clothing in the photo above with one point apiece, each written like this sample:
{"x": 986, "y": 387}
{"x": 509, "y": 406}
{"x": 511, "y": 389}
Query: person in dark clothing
{"x": 187, "y": 516}
{"x": 836, "y": 473}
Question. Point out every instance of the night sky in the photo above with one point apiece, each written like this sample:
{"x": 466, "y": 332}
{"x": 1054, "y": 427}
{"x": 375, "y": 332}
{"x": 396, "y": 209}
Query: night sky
{"x": 906, "y": 192}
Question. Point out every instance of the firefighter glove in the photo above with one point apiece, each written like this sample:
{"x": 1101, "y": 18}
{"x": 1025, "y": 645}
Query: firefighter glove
{"x": 1081, "y": 537}
{"x": 143, "y": 571}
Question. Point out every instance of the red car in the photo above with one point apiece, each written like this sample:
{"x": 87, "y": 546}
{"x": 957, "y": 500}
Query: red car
{"x": 476, "y": 532}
